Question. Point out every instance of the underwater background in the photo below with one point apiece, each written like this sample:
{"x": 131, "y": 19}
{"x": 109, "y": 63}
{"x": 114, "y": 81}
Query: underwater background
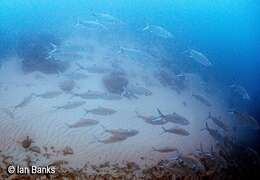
{"x": 172, "y": 53}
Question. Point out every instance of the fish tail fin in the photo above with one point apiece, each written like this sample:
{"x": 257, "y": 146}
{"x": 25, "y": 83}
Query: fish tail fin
{"x": 147, "y": 26}
{"x": 164, "y": 130}
{"x": 159, "y": 112}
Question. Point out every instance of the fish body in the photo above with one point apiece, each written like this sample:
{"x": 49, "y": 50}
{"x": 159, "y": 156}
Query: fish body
{"x": 71, "y": 105}
{"x": 83, "y": 123}
{"x": 218, "y": 122}
{"x": 246, "y": 119}
{"x": 240, "y": 90}
{"x": 101, "y": 111}
{"x": 111, "y": 96}
{"x": 49, "y": 94}
{"x": 24, "y": 102}
{"x": 152, "y": 119}
{"x": 90, "y": 95}
{"x": 215, "y": 134}
{"x": 177, "y": 130}
{"x": 199, "y": 57}
{"x": 107, "y": 18}
{"x": 121, "y": 132}
{"x": 165, "y": 149}
{"x": 113, "y": 139}
{"x": 174, "y": 118}
{"x": 158, "y": 31}
{"x": 94, "y": 25}
{"x": 202, "y": 99}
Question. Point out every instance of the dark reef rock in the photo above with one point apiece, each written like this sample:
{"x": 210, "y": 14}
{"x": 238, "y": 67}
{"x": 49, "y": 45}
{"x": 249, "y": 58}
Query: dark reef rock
{"x": 115, "y": 82}
{"x": 34, "y": 50}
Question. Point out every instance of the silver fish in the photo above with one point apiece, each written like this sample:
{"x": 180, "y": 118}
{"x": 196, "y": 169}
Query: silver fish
{"x": 93, "y": 25}
{"x": 215, "y": 134}
{"x": 174, "y": 118}
{"x": 246, "y": 119}
{"x": 121, "y": 132}
{"x": 83, "y": 122}
{"x": 152, "y": 119}
{"x": 101, "y": 111}
{"x": 90, "y": 95}
{"x": 111, "y": 96}
{"x": 176, "y": 130}
{"x": 218, "y": 122}
{"x": 24, "y": 102}
{"x": 113, "y": 139}
{"x": 107, "y": 19}
{"x": 165, "y": 149}
{"x": 199, "y": 57}
{"x": 71, "y": 105}
{"x": 202, "y": 99}
{"x": 241, "y": 91}
{"x": 158, "y": 31}
{"x": 49, "y": 94}
{"x": 94, "y": 69}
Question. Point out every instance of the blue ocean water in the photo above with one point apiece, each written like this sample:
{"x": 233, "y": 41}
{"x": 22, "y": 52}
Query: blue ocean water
{"x": 227, "y": 32}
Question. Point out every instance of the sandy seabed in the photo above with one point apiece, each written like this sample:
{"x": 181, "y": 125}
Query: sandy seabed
{"x": 47, "y": 127}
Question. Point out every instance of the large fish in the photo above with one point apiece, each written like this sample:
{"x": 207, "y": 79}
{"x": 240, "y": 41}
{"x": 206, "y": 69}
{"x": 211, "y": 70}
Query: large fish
{"x": 158, "y": 31}
{"x": 199, "y": 57}
{"x": 201, "y": 99}
{"x": 215, "y": 134}
{"x": 176, "y": 130}
{"x": 241, "y": 91}
{"x": 83, "y": 122}
{"x": 111, "y": 96}
{"x": 24, "y": 102}
{"x": 107, "y": 19}
{"x": 174, "y": 118}
{"x": 71, "y": 105}
{"x": 218, "y": 122}
{"x": 92, "y": 25}
{"x": 101, "y": 111}
{"x": 112, "y": 139}
{"x": 152, "y": 119}
{"x": 90, "y": 94}
{"x": 49, "y": 94}
{"x": 94, "y": 69}
{"x": 165, "y": 149}
{"x": 121, "y": 132}
{"x": 246, "y": 119}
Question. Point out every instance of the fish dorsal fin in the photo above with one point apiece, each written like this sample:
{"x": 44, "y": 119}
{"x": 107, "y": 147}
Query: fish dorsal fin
{"x": 160, "y": 113}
